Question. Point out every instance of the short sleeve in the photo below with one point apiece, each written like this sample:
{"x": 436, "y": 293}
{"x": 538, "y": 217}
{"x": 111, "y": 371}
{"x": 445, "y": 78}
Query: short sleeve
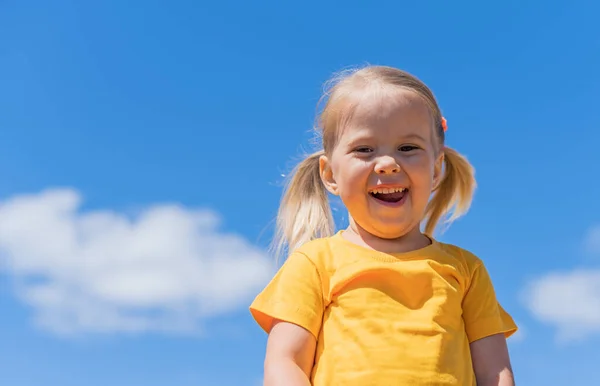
{"x": 294, "y": 295}
{"x": 482, "y": 313}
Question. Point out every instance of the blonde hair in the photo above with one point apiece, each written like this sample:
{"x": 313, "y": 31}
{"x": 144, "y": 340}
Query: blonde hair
{"x": 304, "y": 213}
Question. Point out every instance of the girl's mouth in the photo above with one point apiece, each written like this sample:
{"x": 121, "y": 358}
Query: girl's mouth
{"x": 389, "y": 195}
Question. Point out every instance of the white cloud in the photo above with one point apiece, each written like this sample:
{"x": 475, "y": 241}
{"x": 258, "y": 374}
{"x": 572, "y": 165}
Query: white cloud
{"x": 570, "y": 301}
{"x": 165, "y": 270}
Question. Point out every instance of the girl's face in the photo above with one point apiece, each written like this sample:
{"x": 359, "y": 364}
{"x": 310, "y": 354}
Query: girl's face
{"x": 385, "y": 164}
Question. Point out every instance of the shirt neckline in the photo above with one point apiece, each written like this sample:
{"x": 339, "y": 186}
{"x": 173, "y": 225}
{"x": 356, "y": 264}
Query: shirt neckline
{"x": 387, "y": 256}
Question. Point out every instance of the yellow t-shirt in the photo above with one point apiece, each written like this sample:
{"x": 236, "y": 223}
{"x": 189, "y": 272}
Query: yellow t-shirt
{"x": 385, "y": 319}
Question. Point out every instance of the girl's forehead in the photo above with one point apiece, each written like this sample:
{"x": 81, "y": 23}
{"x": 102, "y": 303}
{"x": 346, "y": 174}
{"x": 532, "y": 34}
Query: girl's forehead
{"x": 389, "y": 103}
{"x": 382, "y": 108}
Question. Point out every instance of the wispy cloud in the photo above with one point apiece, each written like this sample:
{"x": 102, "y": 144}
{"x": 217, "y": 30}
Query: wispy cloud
{"x": 569, "y": 300}
{"x": 166, "y": 269}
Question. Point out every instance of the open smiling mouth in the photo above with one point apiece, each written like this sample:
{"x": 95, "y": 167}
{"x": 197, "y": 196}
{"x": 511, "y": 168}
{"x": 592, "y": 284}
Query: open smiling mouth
{"x": 389, "y": 195}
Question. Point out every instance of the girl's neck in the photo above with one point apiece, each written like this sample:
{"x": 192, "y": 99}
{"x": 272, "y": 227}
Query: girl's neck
{"x": 410, "y": 241}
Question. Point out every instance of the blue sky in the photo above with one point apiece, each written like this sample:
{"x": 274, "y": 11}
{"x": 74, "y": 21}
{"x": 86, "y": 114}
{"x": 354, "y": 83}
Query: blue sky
{"x": 141, "y": 152}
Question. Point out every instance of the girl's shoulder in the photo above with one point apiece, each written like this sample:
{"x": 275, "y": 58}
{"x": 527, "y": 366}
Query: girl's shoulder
{"x": 465, "y": 256}
{"x": 467, "y": 262}
{"x": 331, "y": 253}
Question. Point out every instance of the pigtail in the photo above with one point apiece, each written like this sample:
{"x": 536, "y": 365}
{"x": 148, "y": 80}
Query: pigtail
{"x": 454, "y": 193}
{"x": 304, "y": 213}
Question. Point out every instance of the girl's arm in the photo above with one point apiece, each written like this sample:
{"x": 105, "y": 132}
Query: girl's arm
{"x": 491, "y": 361}
{"x": 290, "y": 355}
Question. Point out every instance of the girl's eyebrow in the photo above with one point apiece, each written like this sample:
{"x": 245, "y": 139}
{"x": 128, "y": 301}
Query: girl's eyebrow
{"x": 363, "y": 137}
{"x": 414, "y": 136}
{"x": 359, "y": 140}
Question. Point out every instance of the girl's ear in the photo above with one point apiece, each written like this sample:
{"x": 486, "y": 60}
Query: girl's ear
{"x": 438, "y": 170}
{"x": 327, "y": 175}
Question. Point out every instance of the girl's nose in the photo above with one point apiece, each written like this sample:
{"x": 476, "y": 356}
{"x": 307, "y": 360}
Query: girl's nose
{"x": 387, "y": 165}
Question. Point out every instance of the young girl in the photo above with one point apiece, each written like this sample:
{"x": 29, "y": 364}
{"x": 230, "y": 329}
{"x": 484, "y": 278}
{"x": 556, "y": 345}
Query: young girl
{"x": 381, "y": 303}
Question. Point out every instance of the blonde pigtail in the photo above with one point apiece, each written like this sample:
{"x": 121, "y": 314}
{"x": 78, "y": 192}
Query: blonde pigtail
{"x": 454, "y": 193}
{"x": 304, "y": 213}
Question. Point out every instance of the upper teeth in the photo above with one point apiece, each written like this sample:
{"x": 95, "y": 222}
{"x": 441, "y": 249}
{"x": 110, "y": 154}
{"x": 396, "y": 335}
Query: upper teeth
{"x": 387, "y": 190}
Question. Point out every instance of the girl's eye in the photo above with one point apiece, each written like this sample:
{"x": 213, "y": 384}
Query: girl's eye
{"x": 407, "y": 147}
{"x": 363, "y": 149}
